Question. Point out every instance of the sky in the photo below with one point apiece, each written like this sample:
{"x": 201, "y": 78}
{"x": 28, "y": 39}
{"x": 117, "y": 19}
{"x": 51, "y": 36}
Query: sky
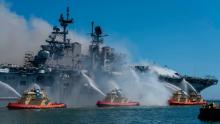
{"x": 181, "y": 34}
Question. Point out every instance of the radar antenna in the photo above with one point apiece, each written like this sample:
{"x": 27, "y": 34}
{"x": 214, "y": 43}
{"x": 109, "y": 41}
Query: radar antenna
{"x": 97, "y": 37}
{"x": 64, "y": 22}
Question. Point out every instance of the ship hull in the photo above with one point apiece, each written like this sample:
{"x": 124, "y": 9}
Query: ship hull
{"x": 22, "y": 81}
{"x": 23, "y": 106}
{"x": 209, "y": 114}
{"x": 198, "y": 83}
{"x": 201, "y": 83}
{"x": 173, "y": 103}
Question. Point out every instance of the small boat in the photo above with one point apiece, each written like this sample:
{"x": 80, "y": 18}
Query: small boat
{"x": 115, "y": 98}
{"x": 210, "y": 112}
{"x": 34, "y": 99}
{"x": 180, "y": 98}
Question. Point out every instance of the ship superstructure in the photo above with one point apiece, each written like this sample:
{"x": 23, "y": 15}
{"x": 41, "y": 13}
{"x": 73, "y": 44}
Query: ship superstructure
{"x": 61, "y": 64}
{"x": 58, "y": 58}
{"x": 180, "y": 98}
{"x": 115, "y": 96}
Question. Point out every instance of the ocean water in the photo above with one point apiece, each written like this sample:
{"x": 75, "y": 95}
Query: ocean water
{"x": 94, "y": 115}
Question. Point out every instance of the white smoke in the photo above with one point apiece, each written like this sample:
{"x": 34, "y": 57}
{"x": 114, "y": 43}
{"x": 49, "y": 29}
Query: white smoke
{"x": 113, "y": 84}
{"x": 18, "y": 35}
{"x": 83, "y": 40}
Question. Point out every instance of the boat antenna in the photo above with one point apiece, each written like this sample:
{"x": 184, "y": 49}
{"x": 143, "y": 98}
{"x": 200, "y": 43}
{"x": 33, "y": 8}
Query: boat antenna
{"x": 68, "y": 9}
{"x": 92, "y": 32}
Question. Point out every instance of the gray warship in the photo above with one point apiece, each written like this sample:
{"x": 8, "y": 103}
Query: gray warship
{"x": 61, "y": 64}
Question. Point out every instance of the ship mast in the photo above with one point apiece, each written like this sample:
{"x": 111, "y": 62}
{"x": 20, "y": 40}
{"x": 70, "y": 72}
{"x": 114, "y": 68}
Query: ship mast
{"x": 97, "y": 41}
{"x": 97, "y": 37}
{"x": 64, "y": 22}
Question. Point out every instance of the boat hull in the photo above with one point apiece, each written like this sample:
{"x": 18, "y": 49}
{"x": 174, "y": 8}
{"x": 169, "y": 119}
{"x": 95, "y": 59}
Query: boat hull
{"x": 209, "y": 114}
{"x": 171, "y": 102}
{"x": 115, "y": 104}
{"x": 23, "y": 106}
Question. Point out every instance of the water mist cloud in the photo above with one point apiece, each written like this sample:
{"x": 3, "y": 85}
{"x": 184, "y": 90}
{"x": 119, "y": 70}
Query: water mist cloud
{"x": 145, "y": 88}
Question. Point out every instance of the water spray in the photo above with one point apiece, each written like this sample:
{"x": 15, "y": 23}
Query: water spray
{"x": 92, "y": 83}
{"x": 9, "y": 88}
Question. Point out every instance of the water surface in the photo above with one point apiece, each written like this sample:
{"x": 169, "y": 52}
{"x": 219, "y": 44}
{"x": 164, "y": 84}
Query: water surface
{"x": 94, "y": 115}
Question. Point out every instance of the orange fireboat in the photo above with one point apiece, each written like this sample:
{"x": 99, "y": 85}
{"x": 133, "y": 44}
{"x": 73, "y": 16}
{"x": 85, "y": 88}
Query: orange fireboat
{"x": 180, "y": 98}
{"x": 114, "y": 99}
{"x": 34, "y": 99}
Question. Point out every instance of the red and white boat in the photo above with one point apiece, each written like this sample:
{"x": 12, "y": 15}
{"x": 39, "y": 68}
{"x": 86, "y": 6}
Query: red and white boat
{"x": 23, "y": 106}
{"x": 171, "y": 102}
{"x": 179, "y": 98}
{"x": 34, "y": 99}
{"x": 114, "y": 99}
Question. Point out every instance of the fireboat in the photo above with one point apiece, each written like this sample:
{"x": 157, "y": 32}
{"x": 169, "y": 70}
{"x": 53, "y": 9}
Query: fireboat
{"x": 181, "y": 98}
{"x": 114, "y": 99}
{"x": 34, "y": 99}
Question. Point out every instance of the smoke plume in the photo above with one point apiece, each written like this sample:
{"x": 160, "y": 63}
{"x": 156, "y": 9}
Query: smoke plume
{"x": 19, "y": 35}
